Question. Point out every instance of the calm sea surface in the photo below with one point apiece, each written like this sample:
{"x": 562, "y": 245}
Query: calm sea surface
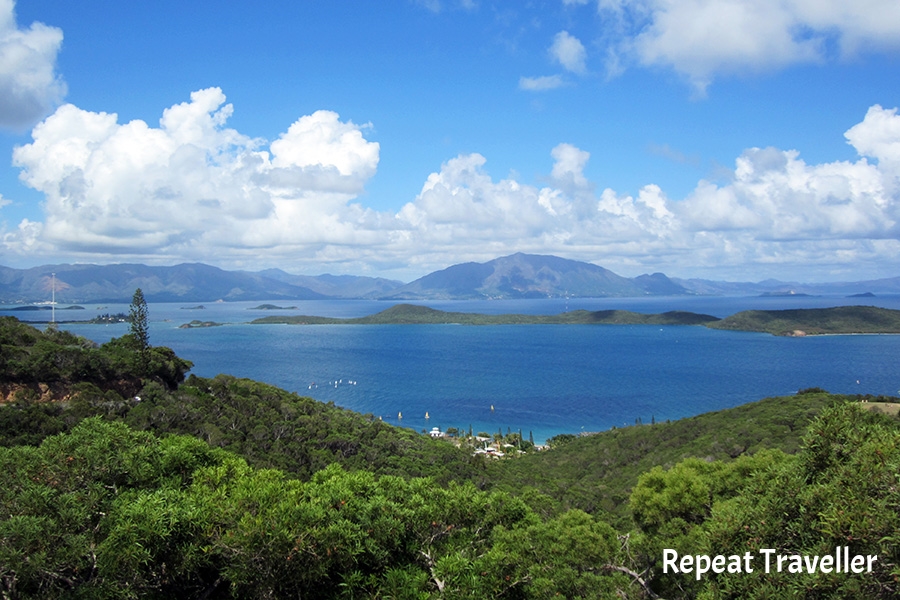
{"x": 544, "y": 379}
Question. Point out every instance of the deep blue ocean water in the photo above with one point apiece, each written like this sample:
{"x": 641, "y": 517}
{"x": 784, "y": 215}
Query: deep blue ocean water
{"x": 540, "y": 379}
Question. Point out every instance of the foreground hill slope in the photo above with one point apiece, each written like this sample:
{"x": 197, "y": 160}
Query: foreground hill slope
{"x": 106, "y": 511}
{"x": 271, "y": 427}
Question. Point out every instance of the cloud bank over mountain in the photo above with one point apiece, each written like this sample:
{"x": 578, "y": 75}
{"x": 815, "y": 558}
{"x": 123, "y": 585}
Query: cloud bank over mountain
{"x": 191, "y": 188}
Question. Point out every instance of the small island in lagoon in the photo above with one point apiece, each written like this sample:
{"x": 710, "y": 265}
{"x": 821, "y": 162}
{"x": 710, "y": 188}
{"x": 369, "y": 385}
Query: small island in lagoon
{"x": 272, "y": 307}
{"x": 198, "y": 324}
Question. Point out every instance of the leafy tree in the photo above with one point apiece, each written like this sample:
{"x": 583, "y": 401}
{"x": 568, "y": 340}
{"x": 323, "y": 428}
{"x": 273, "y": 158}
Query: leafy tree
{"x": 561, "y": 439}
{"x": 688, "y": 490}
{"x": 671, "y": 507}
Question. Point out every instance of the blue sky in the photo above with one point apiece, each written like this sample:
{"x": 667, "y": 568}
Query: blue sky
{"x": 727, "y": 139}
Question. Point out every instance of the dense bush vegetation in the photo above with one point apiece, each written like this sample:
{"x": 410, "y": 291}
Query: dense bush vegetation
{"x": 840, "y": 490}
{"x": 29, "y": 356}
{"x": 105, "y": 511}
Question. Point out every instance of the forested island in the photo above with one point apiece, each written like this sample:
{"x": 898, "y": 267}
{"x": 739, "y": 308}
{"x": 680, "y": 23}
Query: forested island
{"x": 796, "y": 322}
{"x": 125, "y": 477}
{"x": 413, "y": 314}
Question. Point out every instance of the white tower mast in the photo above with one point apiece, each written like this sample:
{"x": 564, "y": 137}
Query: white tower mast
{"x": 53, "y": 298}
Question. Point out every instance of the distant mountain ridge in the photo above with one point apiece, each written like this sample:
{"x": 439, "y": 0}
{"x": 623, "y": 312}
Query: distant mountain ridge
{"x": 532, "y": 276}
{"x": 337, "y": 286}
{"x": 180, "y": 283}
{"x": 515, "y": 276}
{"x": 772, "y": 287}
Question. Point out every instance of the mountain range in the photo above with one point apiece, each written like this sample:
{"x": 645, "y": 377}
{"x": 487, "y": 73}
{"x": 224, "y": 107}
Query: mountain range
{"x": 514, "y": 276}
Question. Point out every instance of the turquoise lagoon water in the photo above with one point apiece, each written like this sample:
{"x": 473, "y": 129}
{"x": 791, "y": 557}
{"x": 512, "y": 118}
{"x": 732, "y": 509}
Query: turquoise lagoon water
{"x": 540, "y": 379}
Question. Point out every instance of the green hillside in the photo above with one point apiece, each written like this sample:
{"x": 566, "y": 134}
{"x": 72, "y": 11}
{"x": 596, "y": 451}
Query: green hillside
{"x": 814, "y": 321}
{"x": 596, "y": 473}
{"x": 273, "y": 428}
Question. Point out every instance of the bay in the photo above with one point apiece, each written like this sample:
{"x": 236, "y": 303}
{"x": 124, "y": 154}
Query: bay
{"x": 540, "y": 379}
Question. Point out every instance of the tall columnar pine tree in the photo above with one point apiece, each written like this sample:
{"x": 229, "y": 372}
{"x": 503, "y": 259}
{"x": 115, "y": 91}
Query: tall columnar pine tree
{"x": 137, "y": 313}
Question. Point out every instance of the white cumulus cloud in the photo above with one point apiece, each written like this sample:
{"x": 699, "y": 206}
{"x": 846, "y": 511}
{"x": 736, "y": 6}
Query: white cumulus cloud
{"x": 878, "y": 136}
{"x": 569, "y": 166}
{"x": 29, "y": 85}
{"x": 569, "y": 52}
{"x": 778, "y": 196}
{"x": 779, "y": 210}
{"x": 321, "y": 140}
{"x": 702, "y": 39}
{"x": 191, "y": 184}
